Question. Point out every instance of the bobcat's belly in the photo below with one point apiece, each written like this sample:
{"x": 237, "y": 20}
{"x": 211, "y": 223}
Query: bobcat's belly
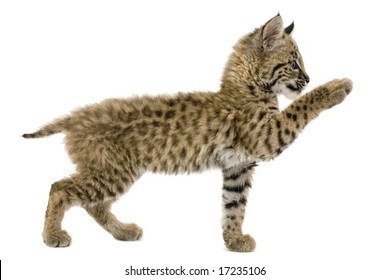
{"x": 199, "y": 160}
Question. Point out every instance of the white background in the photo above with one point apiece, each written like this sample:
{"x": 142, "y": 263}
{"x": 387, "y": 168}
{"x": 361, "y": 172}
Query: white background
{"x": 319, "y": 211}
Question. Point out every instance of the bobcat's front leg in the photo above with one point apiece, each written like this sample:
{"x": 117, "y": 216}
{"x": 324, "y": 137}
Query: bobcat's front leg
{"x": 306, "y": 108}
{"x": 282, "y": 128}
{"x": 236, "y": 184}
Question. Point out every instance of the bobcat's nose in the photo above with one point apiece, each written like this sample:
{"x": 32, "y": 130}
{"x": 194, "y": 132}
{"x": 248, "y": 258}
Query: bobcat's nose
{"x": 305, "y": 77}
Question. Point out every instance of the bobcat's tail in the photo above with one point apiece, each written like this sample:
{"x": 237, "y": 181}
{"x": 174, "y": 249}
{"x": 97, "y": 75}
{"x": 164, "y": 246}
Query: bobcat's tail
{"x": 54, "y": 127}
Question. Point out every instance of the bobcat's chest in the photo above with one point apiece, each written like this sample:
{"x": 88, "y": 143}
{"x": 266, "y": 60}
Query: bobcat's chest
{"x": 229, "y": 158}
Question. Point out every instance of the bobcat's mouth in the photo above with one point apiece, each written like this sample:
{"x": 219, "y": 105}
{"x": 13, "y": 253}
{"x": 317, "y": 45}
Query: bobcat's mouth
{"x": 298, "y": 87}
{"x": 291, "y": 90}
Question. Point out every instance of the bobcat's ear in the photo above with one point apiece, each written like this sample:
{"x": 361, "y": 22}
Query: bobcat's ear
{"x": 272, "y": 30}
{"x": 289, "y": 28}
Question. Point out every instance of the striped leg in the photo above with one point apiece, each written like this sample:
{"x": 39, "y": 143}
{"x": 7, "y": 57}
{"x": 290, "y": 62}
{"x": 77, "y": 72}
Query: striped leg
{"x": 236, "y": 184}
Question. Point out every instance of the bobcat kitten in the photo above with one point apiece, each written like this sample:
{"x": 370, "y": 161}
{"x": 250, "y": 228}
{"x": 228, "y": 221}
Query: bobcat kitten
{"x": 114, "y": 142}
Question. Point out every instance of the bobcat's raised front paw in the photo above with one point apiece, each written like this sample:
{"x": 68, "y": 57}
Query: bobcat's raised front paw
{"x": 339, "y": 89}
{"x": 332, "y": 93}
{"x": 339, "y": 84}
{"x": 57, "y": 238}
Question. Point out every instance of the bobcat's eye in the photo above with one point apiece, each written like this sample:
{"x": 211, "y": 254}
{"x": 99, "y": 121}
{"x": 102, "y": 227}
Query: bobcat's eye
{"x": 294, "y": 65}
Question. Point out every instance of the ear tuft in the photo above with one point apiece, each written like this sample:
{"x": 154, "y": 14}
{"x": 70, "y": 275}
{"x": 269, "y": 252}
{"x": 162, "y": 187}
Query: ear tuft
{"x": 289, "y": 28}
{"x": 272, "y": 30}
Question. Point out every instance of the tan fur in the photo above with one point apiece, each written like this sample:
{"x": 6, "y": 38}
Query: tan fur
{"x": 114, "y": 142}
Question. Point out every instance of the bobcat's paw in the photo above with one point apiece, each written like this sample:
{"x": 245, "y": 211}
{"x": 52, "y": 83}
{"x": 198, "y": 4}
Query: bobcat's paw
{"x": 332, "y": 93}
{"x": 240, "y": 243}
{"x": 347, "y": 85}
{"x": 336, "y": 97}
{"x": 339, "y": 84}
{"x": 128, "y": 232}
{"x": 57, "y": 238}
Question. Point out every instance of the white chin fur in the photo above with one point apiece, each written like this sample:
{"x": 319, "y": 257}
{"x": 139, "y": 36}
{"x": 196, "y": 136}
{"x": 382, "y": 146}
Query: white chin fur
{"x": 282, "y": 89}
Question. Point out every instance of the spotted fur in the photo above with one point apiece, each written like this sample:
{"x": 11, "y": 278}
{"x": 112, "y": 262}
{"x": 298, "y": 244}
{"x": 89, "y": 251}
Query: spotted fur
{"x": 114, "y": 142}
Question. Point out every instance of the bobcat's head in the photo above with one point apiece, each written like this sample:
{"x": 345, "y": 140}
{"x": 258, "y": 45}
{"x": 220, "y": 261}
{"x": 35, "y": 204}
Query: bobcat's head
{"x": 281, "y": 65}
{"x": 268, "y": 58}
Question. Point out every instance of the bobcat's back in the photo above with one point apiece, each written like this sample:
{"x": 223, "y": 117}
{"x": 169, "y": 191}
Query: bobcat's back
{"x": 171, "y": 134}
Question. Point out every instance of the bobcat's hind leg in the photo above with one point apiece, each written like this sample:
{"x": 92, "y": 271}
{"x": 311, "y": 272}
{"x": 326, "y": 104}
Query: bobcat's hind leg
{"x": 95, "y": 194}
{"x": 102, "y": 214}
{"x": 236, "y": 182}
{"x": 59, "y": 202}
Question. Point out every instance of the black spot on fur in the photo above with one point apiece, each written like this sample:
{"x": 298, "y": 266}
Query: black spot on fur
{"x": 236, "y": 189}
{"x": 279, "y": 151}
{"x": 261, "y": 115}
{"x": 211, "y": 148}
{"x": 196, "y": 102}
{"x": 178, "y": 125}
{"x": 147, "y": 111}
{"x": 147, "y": 160}
{"x": 293, "y": 135}
{"x": 171, "y": 102}
{"x": 169, "y": 114}
{"x": 243, "y": 200}
{"x": 233, "y": 204}
{"x": 189, "y": 140}
{"x": 251, "y": 89}
{"x": 175, "y": 140}
{"x": 132, "y": 116}
{"x": 280, "y": 139}
{"x": 120, "y": 189}
{"x": 268, "y": 145}
{"x": 165, "y": 129}
{"x": 227, "y": 133}
{"x": 264, "y": 100}
{"x": 267, "y": 140}
{"x": 183, "y": 153}
{"x": 253, "y": 126}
